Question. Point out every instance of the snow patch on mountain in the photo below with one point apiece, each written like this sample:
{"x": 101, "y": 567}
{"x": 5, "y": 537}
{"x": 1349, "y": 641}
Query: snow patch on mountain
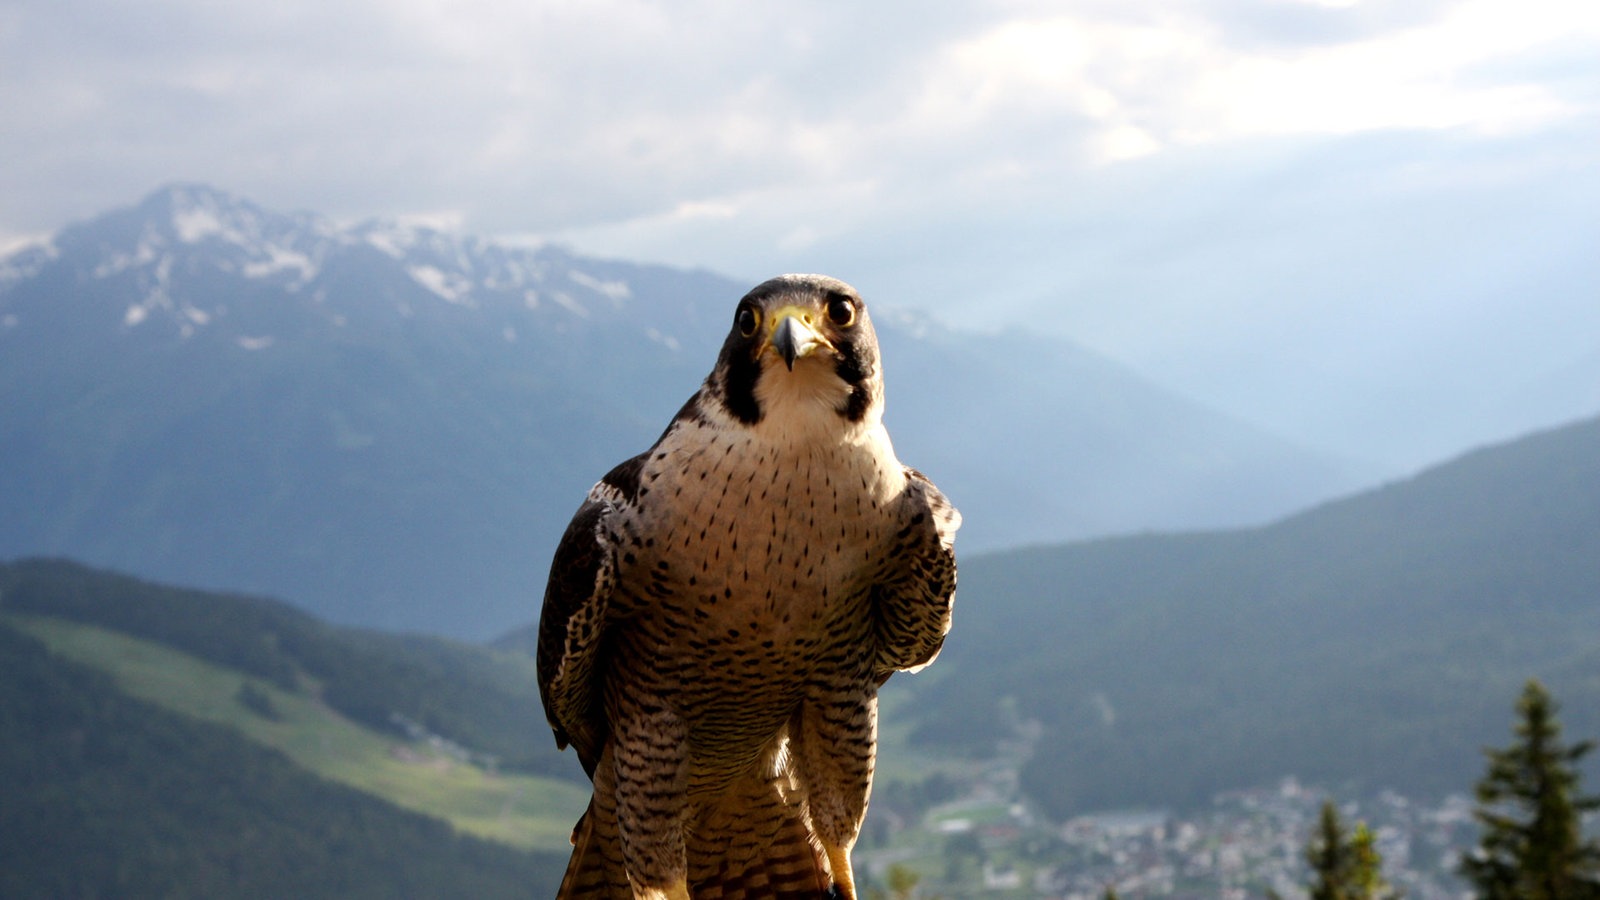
{"x": 396, "y": 240}
{"x": 147, "y": 251}
{"x": 385, "y": 243}
{"x": 617, "y": 291}
{"x": 565, "y": 301}
{"x": 155, "y": 295}
{"x": 452, "y": 287}
{"x": 194, "y": 225}
{"x": 281, "y": 259}
{"x": 512, "y": 268}
{"x": 26, "y": 261}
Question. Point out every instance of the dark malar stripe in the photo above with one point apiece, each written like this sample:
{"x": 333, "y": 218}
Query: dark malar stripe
{"x": 855, "y": 369}
{"x": 739, "y": 373}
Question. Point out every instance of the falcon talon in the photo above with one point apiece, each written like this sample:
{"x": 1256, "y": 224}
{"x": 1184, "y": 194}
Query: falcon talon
{"x": 724, "y": 606}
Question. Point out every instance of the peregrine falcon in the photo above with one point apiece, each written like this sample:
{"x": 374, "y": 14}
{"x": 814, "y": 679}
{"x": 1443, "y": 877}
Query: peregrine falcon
{"x": 724, "y": 606}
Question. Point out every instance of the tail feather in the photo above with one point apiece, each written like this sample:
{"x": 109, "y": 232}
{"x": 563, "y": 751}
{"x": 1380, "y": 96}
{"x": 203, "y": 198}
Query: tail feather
{"x": 751, "y": 843}
{"x": 595, "y": 871}
{"x": 790, "y": 868}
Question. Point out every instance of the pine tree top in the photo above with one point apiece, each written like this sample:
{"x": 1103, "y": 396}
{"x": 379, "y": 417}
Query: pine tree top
{"x": 1531, "y": 812}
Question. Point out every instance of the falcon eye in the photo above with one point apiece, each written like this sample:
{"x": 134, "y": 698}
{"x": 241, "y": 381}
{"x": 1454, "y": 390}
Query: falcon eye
{"x": 841, "y": 312}
{"x": 748, "y": 320}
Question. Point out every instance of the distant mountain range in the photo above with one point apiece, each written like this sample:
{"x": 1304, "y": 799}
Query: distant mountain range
{"x": 1377, "y": 641}
{"x": 389, "y": 425}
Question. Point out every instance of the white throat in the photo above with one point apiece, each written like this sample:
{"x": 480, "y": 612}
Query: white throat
{"x": 805, "y": 405}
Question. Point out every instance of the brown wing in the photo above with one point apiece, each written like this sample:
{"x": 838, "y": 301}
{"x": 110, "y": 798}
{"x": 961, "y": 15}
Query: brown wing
{"x": 912, "y": 604}
{"x": 572, "y": 622}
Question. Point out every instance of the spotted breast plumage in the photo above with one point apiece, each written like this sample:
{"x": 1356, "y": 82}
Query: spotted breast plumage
{"x": 723, "y": 608}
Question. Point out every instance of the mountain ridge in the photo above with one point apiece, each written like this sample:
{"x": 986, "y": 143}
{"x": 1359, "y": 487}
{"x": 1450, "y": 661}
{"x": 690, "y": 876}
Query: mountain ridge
{"x": 391, "y": 425}
{"x": 1375, "y": 640}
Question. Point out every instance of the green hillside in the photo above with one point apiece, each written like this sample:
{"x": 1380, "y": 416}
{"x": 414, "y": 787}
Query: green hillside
{"x": 1373, "y": 642}
{"x": 486, "y": 701}
{"x": 174, "y": 743}
{"x": 109, "y": 796}
{"x": 523, "y": 811}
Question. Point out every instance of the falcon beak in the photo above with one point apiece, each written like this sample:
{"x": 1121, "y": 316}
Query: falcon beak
{"x": 793, "y": 338}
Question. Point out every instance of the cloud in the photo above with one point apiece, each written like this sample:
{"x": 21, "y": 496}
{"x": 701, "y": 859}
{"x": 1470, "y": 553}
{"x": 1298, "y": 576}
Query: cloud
{"x": 1178, "y": 183}
{"x": 1417, "y": 77}
{"x": 555, "y": 115}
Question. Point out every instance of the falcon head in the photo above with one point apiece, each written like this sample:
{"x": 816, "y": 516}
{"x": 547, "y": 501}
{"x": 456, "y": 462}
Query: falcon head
{"x": 800, "y": 346}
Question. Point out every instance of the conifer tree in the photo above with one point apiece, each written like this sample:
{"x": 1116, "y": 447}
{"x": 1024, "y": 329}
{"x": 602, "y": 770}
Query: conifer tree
{"x": 1328, "y": 855}
{"x": 1531, "y": 811}
{"x": 1366, "y": 866}
{"x": 1345, "y": 867}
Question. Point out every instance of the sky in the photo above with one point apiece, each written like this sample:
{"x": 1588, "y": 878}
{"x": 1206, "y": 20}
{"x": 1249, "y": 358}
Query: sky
{"x": 1370, "y": 227}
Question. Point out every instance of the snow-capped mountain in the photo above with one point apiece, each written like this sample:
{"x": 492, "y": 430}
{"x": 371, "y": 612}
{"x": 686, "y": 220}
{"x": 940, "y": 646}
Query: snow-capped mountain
{"x": 191, "y": 259}
{"x": 390, "y": 424}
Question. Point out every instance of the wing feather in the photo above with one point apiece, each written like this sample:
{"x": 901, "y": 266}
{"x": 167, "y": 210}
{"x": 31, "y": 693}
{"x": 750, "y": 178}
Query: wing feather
{"x": 573, "y": 619}
{"x": 913, "y": 601}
